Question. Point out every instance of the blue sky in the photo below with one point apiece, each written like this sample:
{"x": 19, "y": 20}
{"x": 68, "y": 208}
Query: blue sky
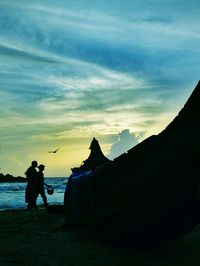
{"x": 72, "y": 70}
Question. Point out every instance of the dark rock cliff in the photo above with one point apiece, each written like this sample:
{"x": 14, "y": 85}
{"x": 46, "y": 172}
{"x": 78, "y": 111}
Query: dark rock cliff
{"x": 151, "y": 193}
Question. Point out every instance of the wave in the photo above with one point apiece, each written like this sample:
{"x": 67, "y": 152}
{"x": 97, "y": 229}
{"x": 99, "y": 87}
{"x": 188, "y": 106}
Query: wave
{"x": 9, "y": 187}
{"x": 12, "y": 194}
{"x": 58, "y": 184}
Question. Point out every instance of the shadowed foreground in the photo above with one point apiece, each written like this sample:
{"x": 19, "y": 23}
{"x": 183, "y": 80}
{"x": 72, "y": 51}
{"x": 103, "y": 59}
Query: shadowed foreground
{"x": 36, "y": 238}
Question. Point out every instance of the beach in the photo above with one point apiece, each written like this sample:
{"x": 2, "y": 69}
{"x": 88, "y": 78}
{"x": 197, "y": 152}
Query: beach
{"x": 37, "y": 237}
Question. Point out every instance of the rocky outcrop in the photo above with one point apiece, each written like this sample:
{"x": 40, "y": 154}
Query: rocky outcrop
{"x": 96, "y": 158}
{"x": 10, "y": 178}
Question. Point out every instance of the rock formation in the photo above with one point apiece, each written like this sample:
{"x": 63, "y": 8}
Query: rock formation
{"x": 10, "y": 178}
{"x": 76, "y": 183}
{"x": 151, "y": 193}
{"x": 95, "y": 159}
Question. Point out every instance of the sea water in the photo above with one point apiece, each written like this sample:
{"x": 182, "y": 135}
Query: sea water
{"x": 12, "y": 195}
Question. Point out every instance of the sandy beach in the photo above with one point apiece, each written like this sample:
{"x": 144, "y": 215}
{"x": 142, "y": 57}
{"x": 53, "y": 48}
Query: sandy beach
{"x": 37, "y": 238}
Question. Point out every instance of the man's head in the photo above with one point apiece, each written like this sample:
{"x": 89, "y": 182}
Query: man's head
{"x": 34, "y": 163}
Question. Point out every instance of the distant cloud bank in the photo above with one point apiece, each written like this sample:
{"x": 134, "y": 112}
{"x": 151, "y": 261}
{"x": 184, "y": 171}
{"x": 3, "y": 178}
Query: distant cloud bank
{"x": 126, "y": 140}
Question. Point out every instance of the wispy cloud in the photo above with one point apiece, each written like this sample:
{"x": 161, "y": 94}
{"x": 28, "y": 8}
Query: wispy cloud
{"x": 78, "y": 69}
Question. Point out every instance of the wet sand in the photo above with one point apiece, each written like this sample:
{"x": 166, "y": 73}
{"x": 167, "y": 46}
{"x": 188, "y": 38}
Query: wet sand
{"x": 36, "y": 237}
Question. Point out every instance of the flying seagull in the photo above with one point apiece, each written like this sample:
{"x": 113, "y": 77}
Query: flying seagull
{"x": 53, "y": 151}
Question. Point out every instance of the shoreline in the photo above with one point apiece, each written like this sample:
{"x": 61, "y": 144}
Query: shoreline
{"x": 19, "y": 179}
{"x": 12, "y": 195}
{"x": 37, "y": 237}
{"x": 39, "y": 206}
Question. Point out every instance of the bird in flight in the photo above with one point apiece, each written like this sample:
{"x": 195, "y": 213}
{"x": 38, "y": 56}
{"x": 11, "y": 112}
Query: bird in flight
{"x": 54, "y": 151}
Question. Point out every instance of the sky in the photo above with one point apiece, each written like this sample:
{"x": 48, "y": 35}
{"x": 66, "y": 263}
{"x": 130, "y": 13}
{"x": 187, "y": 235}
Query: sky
{"x": 117, "y": 70}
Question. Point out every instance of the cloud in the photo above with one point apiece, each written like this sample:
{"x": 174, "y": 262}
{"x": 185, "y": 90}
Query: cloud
{"x": 78, "y": 69}
{"x": 23, "y": 55}
{"x": 126, "y": 141}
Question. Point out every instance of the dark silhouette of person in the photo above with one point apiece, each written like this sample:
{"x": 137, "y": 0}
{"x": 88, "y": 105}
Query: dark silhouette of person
{"x": 31, "y": 188}
{"x": 40, "y": 184}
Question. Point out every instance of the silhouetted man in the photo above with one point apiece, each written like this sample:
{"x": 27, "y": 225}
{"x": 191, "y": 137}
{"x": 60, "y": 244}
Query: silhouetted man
{"x": 31, "y": 188}
{"x": 40, "y": 185}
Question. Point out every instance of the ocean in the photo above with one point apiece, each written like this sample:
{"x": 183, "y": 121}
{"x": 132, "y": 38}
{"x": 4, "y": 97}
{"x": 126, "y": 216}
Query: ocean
{"x": 12, "y": 195}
